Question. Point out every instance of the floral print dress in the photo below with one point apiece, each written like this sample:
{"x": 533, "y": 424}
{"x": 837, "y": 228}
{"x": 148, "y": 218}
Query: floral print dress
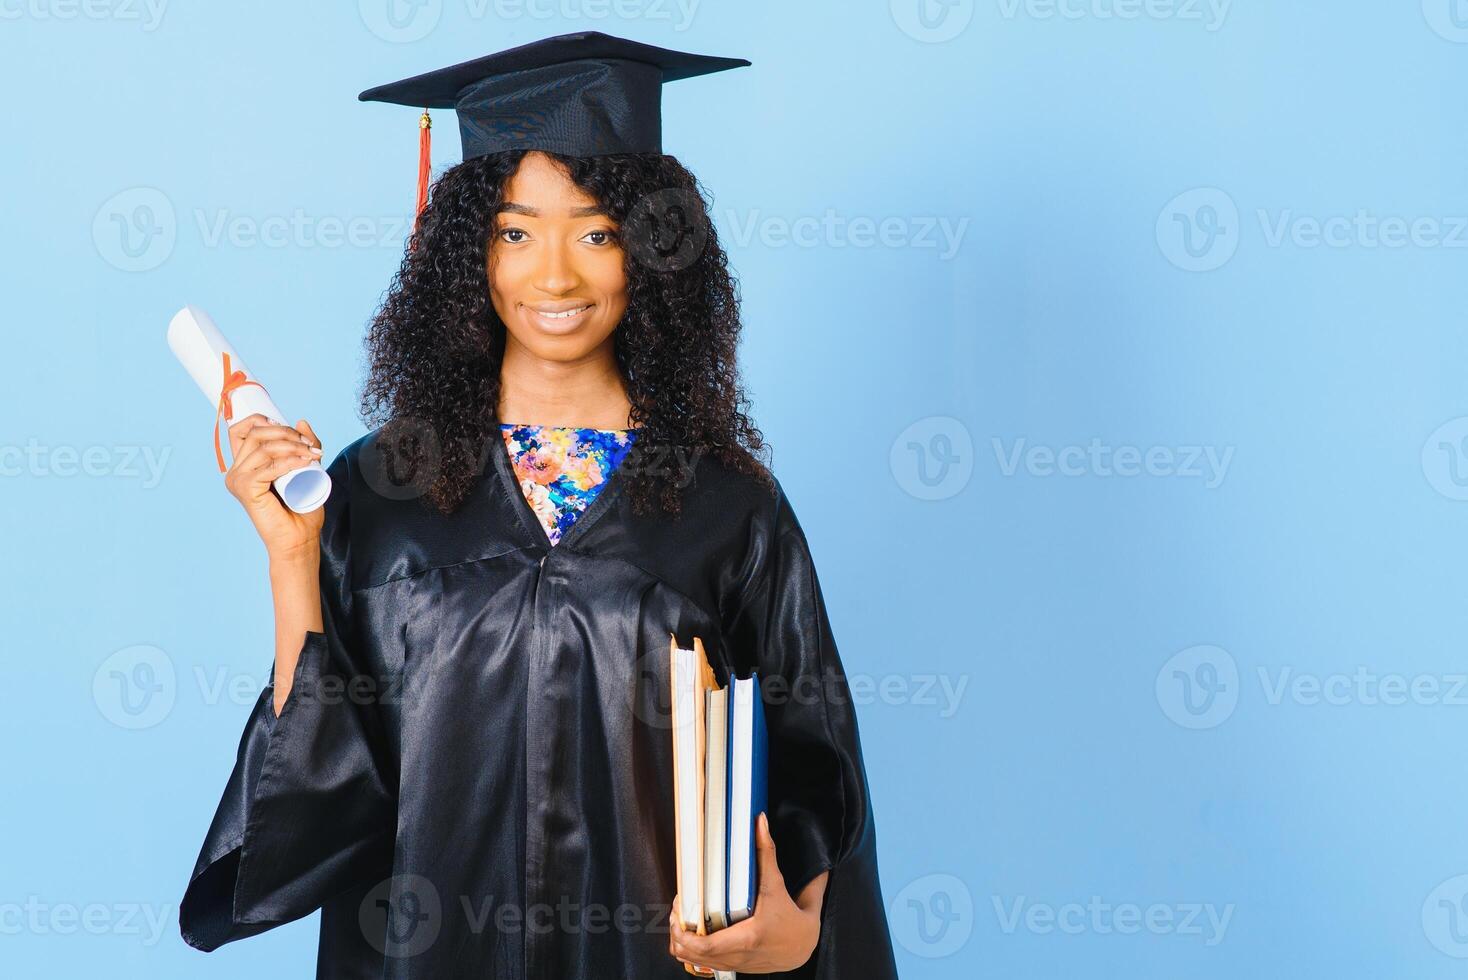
{"x": 561, "y": 469}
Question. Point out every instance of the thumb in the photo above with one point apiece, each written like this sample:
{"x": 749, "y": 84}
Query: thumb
{"x": 769, "y": 869}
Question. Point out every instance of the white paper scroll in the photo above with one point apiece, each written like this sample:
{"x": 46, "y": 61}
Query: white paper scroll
{"x": 200, "y": 348}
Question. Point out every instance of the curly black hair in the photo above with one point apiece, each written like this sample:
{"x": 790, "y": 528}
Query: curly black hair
{"x": 435, "y": 346}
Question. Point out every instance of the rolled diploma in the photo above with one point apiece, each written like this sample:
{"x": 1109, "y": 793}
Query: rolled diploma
{"x": 200, "y": 348}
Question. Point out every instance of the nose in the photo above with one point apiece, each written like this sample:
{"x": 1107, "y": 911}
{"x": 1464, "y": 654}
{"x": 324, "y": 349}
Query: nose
{"x": 556, "y": 274}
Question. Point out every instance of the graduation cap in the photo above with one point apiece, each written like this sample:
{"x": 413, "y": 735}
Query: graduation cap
{"x": 586, "y": 94}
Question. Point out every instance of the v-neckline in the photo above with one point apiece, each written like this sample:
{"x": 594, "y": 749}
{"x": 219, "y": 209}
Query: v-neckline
{"x": 511, "y": 485}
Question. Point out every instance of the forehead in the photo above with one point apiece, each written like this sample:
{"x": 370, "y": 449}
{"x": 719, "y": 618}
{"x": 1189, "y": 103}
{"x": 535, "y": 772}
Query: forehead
{"x": 543, "y": 185}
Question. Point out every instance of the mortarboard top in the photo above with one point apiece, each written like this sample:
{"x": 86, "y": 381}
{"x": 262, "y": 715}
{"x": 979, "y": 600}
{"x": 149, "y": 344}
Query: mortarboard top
{"x": 586, "y": 94}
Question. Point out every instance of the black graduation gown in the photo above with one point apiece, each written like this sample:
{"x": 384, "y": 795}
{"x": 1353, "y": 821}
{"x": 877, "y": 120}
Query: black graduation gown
{"x": 472, "y": 775}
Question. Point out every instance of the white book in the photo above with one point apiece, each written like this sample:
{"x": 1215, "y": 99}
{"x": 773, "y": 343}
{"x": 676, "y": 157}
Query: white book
{"x": 715, "y": 806}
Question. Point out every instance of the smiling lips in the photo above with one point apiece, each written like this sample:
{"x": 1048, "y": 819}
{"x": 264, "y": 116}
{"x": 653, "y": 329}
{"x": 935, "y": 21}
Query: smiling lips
{"x": 559, "y": 316}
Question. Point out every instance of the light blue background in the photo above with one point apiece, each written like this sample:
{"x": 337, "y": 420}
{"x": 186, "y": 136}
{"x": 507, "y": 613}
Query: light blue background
{"x": 1079, "y": 304}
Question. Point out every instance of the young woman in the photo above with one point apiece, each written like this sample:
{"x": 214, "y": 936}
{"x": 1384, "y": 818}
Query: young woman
{"x": 464, "y": 756}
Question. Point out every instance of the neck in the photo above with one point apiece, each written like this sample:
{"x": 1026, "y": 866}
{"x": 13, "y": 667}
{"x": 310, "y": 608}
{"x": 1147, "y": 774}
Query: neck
{"x": 586, "y": 393}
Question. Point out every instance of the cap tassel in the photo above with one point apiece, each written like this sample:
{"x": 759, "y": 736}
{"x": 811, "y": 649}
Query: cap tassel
{"x": 425, "y": 165}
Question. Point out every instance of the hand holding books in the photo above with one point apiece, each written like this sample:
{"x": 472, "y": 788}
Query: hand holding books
{"x": 780, "y": 936}
{"x": 732, "y": 911}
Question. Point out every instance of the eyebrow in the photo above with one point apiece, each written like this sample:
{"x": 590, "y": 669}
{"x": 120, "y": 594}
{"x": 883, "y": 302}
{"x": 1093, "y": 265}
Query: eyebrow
{"x": 584, "y": 212}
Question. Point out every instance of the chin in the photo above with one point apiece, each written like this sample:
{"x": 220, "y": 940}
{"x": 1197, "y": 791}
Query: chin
{"x": 562, "y": 347}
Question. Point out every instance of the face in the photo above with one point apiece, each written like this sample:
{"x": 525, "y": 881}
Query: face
{"x": 555, "y": 265}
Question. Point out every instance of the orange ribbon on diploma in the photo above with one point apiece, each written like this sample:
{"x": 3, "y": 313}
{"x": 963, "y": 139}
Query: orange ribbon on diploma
{"x": 225, "y": 410}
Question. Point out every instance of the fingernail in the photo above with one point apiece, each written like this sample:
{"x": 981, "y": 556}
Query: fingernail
{"x": 316, "y": 450}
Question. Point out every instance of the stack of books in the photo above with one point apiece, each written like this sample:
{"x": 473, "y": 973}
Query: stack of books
{"x": 720, "y": 786}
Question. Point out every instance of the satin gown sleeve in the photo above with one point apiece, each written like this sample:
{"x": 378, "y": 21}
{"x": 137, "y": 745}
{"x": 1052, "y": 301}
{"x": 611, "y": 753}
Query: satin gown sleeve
{"x": 820, "y": 808}
{"x": 309, "y": 810}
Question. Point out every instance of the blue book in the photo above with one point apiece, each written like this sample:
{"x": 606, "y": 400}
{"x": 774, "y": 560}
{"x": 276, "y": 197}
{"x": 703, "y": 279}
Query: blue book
{"x": 747, "y": 795}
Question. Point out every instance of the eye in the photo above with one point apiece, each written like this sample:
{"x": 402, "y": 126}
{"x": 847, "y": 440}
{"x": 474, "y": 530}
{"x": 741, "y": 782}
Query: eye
{"x": 511, "y": 231}
{"x": 600, "y": 237}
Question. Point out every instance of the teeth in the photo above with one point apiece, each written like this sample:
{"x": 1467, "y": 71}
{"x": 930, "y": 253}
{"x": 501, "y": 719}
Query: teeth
{"x": 567, "y": 314}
